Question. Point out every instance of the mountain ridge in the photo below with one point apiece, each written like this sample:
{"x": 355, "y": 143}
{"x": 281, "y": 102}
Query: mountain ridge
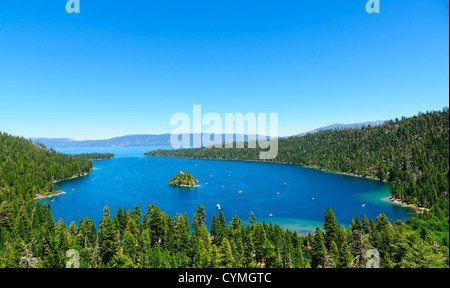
{"x": 164, "y": 139}
{"x": 339, "y": 126}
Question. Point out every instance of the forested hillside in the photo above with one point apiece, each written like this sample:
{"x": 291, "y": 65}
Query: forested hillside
{"x": 133, "y": 239}
{"x": 411, "y": 153}
{"x": 28, "y": 168}
{"x": 30, "y": 236}
{"x": 96, "y": 156}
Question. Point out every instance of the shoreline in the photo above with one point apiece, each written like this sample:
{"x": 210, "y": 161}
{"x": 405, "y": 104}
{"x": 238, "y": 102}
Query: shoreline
{"x": 75, "y": 176}
{"x": 279, "y": 162}
{"x": 183, "y": 185}
{"x": 57, "y": 193}
{"x": 395, "y": 200}
{"x": 392, "y": 199}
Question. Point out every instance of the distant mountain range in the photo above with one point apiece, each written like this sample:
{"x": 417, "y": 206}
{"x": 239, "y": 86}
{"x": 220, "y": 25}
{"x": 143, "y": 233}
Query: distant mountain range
{"x": 129, "y": 140}
{"x": 164, "y": 139}
{"x": 338, "y": 126}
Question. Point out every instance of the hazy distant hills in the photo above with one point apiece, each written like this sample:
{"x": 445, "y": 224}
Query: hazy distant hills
{"x": 338, "y": 126}
{"x": 129, "y": 140}
{"x": 164, "y": 139}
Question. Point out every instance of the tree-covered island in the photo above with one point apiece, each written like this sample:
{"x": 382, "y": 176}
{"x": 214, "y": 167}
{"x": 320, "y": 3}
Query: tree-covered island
{"x": 184, "y": 179}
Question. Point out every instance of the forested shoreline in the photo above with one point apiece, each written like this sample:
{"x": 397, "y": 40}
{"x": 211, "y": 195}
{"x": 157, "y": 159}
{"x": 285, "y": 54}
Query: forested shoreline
{"x": 411, "y": 153}
{"x": 96, "y": 156}
{"x": 30, "y": 236}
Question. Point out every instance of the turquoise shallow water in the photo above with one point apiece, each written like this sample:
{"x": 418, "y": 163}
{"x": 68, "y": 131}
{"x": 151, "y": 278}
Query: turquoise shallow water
{"x": 296, "y": 197}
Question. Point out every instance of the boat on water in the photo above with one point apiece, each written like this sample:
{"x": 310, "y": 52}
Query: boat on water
{"x": 218, "y": 206}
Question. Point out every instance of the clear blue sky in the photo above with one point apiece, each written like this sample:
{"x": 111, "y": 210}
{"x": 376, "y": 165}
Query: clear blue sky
{"x": 124, "y": 67}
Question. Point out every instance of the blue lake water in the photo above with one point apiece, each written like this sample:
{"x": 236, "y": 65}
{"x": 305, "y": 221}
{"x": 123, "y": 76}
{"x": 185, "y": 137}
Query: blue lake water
{"x": 297, "y": 197}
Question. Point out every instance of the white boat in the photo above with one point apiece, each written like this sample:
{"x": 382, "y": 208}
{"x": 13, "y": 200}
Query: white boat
{"x": 363, "y": 205}
{"x": 270, "y": 215}
{"x": 218, "y": 206}
{"x": 240, "y": 192}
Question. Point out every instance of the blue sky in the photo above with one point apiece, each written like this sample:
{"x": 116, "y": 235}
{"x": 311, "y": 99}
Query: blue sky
{"x": 125, "y": 67}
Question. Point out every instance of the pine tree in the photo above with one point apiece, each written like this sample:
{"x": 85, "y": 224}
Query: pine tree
{"x": 345, "y": 256}
{"x": 119, "y": 220}
{"x": 199, "y": 218}
{"x": 107, "y": 237}
{"x": 181, "y": 234}
{"x": 383, "y": 236}
{"x": 136, "y": 214}
{"x": 155, "y": 224}
{"x": 215, "y": 257}
{"x": 331, "y": 228}
{"x": 366, "y": 225}
{"x": 259, "y": 238}
{"x": 130, "y": 245}
{"x": 318, "y": 249}
{"x": 226, "y": 258}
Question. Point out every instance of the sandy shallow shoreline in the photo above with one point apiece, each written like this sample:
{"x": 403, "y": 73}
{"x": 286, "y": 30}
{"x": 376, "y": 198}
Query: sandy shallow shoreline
{"x": 57, "y": 193}
{"x": 398, "y": 201}
{"x": 39, "y": 196}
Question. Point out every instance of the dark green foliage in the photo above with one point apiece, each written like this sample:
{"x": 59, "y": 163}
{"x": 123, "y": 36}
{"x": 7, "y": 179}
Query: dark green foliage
{"x": 96, "y": 156}
{"x": 318, "y": 252}
{"x": 165, "y": 242}
{"x": 331, "y": 228}
{"x": 183, "y": 179}
{"x": 27, "y": 169}
{"x": 411, "y": 153}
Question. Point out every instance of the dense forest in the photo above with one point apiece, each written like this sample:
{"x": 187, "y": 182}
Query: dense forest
{"x": 411, "y": 153}
{"x": 96, "y": 156}
{"x": 28, "y": 169}
{"x": 30, "y": 236}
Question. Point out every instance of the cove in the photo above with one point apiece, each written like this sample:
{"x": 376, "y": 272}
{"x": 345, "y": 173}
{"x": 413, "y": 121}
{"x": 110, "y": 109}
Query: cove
{"x": 294, "y": 197}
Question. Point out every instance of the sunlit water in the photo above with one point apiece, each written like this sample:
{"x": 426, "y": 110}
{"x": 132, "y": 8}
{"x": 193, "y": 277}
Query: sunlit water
{"x": 292, "y": 196}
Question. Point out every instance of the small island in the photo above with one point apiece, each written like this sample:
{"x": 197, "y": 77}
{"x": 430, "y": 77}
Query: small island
{"x": 184, "y": 179}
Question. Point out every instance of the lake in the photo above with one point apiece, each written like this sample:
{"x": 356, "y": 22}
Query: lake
{"x": 292, "y": 196}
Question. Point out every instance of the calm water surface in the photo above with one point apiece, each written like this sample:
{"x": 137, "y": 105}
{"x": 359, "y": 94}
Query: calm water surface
{"x": 296, "y": 197}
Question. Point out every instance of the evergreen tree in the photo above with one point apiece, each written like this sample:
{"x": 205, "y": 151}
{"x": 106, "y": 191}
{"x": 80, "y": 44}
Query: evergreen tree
{"x": 107, "y": 237}
{"x": 318, "y": 249}
{"x": 226, "y": 258}
{"x": 331, "y": 228}
{"x": 366, "y": 225}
